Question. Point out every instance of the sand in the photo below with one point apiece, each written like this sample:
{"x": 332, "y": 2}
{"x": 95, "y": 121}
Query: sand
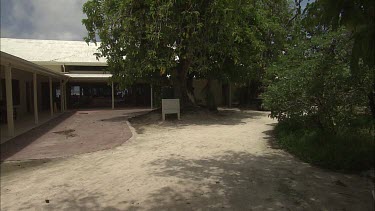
{"x": 203, "y": 162}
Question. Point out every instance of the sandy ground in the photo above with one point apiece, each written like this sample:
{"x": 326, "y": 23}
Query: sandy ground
{"x": 203, "y": 162}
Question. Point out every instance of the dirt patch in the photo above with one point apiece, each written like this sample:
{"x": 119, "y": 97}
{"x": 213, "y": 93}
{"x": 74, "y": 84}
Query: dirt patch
{"x": 67, "y": 133}
{"x": 8, "y": 168}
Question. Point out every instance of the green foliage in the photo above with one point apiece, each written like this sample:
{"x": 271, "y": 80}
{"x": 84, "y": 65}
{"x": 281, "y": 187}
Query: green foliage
{"x": 215, "y": 39}
{"x": 349, "y": 151}
{"x": 322, "y": 89}
{"x": 312, "y": 83}
{"x": 358, "y": 16}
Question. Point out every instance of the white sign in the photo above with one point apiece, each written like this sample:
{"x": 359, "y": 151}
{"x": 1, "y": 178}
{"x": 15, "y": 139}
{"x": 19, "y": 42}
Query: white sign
{"x": 170, "y": 106}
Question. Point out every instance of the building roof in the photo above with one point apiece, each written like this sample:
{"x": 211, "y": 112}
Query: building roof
{"x": 80, "y": 75}
{"x": 16, "y": 62}
{"x": 74, "y": 77}
{"x": 52, "y": 51}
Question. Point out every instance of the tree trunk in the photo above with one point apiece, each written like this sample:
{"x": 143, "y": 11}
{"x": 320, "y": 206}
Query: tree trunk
{"x": 371, "y": 97}
{"x": 180, "y": 84}
{"x": 210, "y": 97}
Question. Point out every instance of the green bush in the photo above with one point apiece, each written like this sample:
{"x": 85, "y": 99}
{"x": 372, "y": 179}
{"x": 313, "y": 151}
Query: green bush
{"x": 313, "y": 84}
{"x": 347, "y": 151}
{"x": 322, "y": 103}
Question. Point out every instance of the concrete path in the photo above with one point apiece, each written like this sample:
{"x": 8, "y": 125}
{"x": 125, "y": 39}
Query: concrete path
{"x": 203, "y": 162}
{"x": 74, "y": 132}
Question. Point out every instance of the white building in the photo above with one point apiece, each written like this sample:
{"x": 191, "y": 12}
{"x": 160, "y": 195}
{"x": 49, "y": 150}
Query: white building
{"x": 33, "y": 73}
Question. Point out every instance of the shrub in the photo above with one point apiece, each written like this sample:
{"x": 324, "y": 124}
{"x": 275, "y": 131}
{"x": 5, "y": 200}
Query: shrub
{"x": 313, "y": 84}
{"x": 322, "y": 104}
{"x": 346, "y": 151}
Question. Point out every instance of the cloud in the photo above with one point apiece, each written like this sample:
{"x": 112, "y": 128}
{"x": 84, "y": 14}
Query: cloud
{"x": 42, "y": 19}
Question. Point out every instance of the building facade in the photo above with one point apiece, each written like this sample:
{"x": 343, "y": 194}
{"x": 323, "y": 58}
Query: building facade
{"x": 49, "y": 76}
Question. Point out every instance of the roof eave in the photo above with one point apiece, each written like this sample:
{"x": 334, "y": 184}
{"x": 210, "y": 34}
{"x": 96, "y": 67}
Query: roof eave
{"x": 104, "y": 64}
{"x": 14, "y": 61}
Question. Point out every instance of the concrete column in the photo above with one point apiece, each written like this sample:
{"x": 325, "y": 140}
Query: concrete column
{"x": 230, "y": 95}
{"x": 50, "y": 96}
{"x": 151, "y": 98}
{"x": 65, "y": 101}
{"x": 113, "y": 96}
{"x": 35, "y": 85}
{"x": 1, "y": 87}
{"x": 9, "y": 98}
{"x": 61, "y": 96}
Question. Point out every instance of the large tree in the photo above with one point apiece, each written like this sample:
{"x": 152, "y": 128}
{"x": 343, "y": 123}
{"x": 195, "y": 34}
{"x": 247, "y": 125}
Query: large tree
{"x": 214, "y": 39}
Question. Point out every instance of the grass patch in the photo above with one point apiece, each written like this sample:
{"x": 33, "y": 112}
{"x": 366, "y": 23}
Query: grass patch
{"x": 349, "y": 151}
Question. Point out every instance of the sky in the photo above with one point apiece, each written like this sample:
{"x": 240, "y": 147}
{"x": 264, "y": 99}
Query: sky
{"x": 45, "y": 19}
{"x": 42, "y": 19}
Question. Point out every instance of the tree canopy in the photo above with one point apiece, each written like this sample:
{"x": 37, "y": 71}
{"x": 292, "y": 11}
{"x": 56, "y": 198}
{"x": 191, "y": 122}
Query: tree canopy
{"x": 358, "y": 16}
{"x": 215, "y": 39}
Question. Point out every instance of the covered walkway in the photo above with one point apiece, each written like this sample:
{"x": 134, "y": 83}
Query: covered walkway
{"x": 27, "y": 93}
{"x": 24, "y": 124}
{"x": 31, "y": 94}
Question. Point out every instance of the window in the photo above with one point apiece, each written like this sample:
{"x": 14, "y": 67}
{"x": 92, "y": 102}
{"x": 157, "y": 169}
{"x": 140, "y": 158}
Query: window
{"x": 75, "y": 90}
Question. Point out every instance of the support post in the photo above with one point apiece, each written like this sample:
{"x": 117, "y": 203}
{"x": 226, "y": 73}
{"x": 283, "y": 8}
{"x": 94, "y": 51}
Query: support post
{"x": 65, "y": 101}
{"x": 35, "y": 85}
{"x": 50, "y": 96}
{"x": 230, "y": 95}
{"x": 1, "y": 87}
{"x": 61, "y": 96}
{"x": 113, "y": 96}
{"x": 151, "y": 98}
{"x": 9, "y": 98}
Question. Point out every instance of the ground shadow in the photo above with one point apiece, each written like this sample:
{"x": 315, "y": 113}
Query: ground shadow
{"x": 200, "y": 117}
{"x": 76, "y": 199}
{"x": 242, "y": 181}
{"x": 18, "y": 143}
{"x": 231, "y": 181}
{"x": 116, "y": 119}
{"x": 124, "y": 117}
{"x": 271, "y": 138}
{"x": 7, "y": 168}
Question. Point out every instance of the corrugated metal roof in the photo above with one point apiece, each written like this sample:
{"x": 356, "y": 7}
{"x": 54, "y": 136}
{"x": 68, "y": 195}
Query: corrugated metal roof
{"x": 13, "y": 61}
{"x": 58, "y": 51}
{"x": 80, "y": 75}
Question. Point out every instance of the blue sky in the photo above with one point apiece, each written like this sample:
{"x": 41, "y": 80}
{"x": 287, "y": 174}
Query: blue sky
{"x": 45, "y": 19}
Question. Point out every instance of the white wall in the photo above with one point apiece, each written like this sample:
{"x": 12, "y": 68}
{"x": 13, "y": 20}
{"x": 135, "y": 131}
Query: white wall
{"x": 56, "y": 68}
{"x": 200, "y": 95}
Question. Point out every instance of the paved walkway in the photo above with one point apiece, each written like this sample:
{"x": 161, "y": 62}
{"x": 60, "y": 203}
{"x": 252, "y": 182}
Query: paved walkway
{"x": 74, "y": 132}
{"x": 226, "y": 161}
